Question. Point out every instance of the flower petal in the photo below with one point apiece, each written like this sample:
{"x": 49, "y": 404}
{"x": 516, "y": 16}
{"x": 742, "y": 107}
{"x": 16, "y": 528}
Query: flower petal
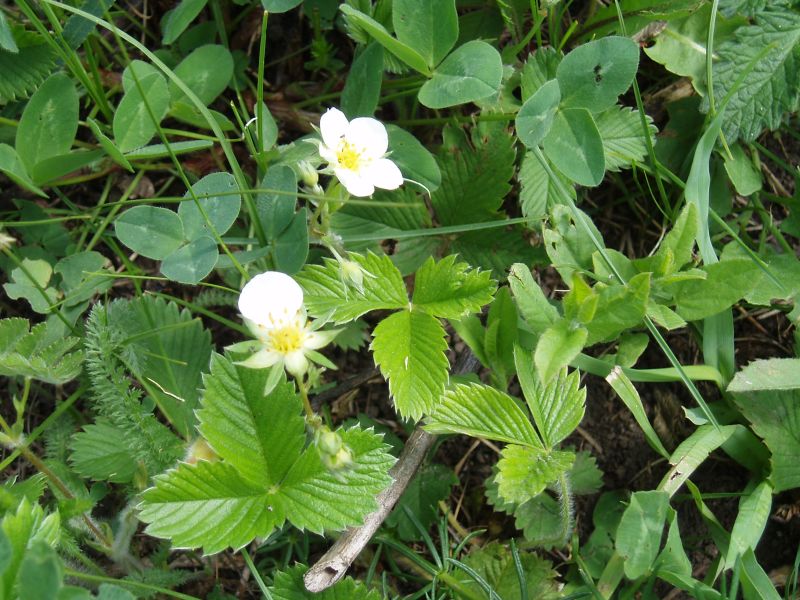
{"x": 383, "y": 173}
{"x": 261, "y": 359}
{"x": 270, "y": 298}
{"x": 354, "y": 182}
{"x": 332, "y": 126}
{"x": 296, "y": 363}
{"x": 369, "y": 135}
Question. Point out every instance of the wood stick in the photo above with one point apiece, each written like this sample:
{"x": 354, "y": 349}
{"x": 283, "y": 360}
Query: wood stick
{"x": 333, "y": 565}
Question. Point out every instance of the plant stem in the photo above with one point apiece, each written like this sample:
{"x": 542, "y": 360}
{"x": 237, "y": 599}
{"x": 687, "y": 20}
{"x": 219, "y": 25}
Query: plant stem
{"x": 565, "y": 499}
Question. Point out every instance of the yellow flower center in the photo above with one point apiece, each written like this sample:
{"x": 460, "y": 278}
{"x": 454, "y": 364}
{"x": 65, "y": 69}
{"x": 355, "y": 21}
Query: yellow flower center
{"x": 287, "y": 339}
{"x": 348, "y": 156}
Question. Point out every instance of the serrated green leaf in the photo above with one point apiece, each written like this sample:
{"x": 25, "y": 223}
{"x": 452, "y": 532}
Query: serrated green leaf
{"x": 496, "y": 250}
{"x": 623, "y": 138}
{"x": 260, "y": 436}
{"x": 557, "y": 346}
{"x": 539, "y": 519}
{"x": 538, "y": 191}
{"x": 524, "y": 472}
{"x": 769, "y": 50}
{"x": 20, "y": 530}
{"x": 496, "y": 564}
{"x": 539, "y": 68}
{"x": 557, "y": 406}
{"x": 450, "y": 290}
{"x": 210, "y": 505}
{"x": 585, "y": 477}
{"x": 476, "y": 170}
{"x": 639, "y": 532}
{"x": 409, "y": 347}
{"x": 619, "y": 307}
{"x": 288, "y": 585}
{"x": 34, "y": 354}
{"x": 167, "y": 349}
{"x": 24, "y": 71}
{"x": 327, "y": 296}
{"x": 479, "y": 410}
{"x": 768, "y": 394}
{"x": 41, "y": 573}
{"x": 49, "y": 122}
{"x": 96, "y": 453}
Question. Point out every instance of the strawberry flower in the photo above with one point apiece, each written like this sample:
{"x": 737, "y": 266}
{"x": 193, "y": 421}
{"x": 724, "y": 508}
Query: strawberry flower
{"x": 355, "y": 151}
{"x": 272, "y": 306}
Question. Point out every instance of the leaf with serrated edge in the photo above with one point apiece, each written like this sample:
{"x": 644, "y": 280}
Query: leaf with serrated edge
{"x": 479, "y": 410}
{"x": 409, "y": 347}
{"x": 451, "y": 290}
{"x": 624, "y": 142}
{"x": 31, "y": 354}
{"x": 524, "y": 472}
{"x": 558, "y": 406}
{"x": 98, "y": 454}
{"x": 327, "y": 296}
{"x": 288, "y": 585}
{"x": 261, "y": 436}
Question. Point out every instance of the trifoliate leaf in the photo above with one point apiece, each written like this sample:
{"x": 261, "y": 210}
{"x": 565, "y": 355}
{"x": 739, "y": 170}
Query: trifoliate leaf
{"x": 624, "y": 141}
{"x": 409, "y": 347}
{"x": 557, "y": 406}
{"x": 768, "y": 394}
{"x": 327, "y": 296}
{"x": 288, "y": 585}
{"x": 768, "y": 53}
{"x": 260, "y": 436}
{"x": 495, "y": 563}
{"x": 524, "y": 472}
{"x": 97, "y": 453}
{"x": 264, "y": 477}
{"x": 34, "y": 354}
{"x": 479, "y": 410}
{"x": 450, "y": 290}
{"x": 475, "y": 174}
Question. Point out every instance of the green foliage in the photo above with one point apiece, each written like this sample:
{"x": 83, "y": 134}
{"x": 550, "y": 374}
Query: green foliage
{"x": 472, "y": 72}
{"x": 24, "y": 70}
{"x": 430, "y": 485}
{"x": 448, "y": 289}
{"x": 149, "y": 442}
{"x": 766, "y": 392}
{"x": 409, "y": 347}
{"x": 758, "y": 68}
{"x": 497, "y": 565}
{"x": 431, "y": 28}
{"x": 524, "y": 472}
{"x": 640, "y": 529}
{"x": 264, "y": 476}
{"x": 36, "y": 354}
{"x": 289, "y": 585}
{"x": 142, "y": 108}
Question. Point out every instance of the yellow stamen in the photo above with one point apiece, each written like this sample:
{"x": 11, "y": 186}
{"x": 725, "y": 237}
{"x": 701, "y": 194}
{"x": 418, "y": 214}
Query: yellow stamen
{"x": 287, "y": 339}
{"x": 348, "y": 156}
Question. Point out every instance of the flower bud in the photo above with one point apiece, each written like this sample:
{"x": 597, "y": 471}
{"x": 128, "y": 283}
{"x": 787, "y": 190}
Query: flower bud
{"x": 352, "y": 274}
{"x": 308, "y": 174}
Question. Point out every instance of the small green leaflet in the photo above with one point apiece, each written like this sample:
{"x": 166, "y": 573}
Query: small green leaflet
{"x": 288, "y": 585}
{"x": 450, "y": 290}
{"x": 33, "y": 353}
{"x": 326, "y": 295}
{"x": 639, "y": 532}
{"x": 524, "y": 472}
{"x": 260, "y": 482}
{"x": 409, "y": 347}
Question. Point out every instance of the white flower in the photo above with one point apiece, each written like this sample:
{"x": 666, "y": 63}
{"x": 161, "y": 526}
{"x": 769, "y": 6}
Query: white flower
{"x": 272, "y": 306}
{"x": 356, "y": 150}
